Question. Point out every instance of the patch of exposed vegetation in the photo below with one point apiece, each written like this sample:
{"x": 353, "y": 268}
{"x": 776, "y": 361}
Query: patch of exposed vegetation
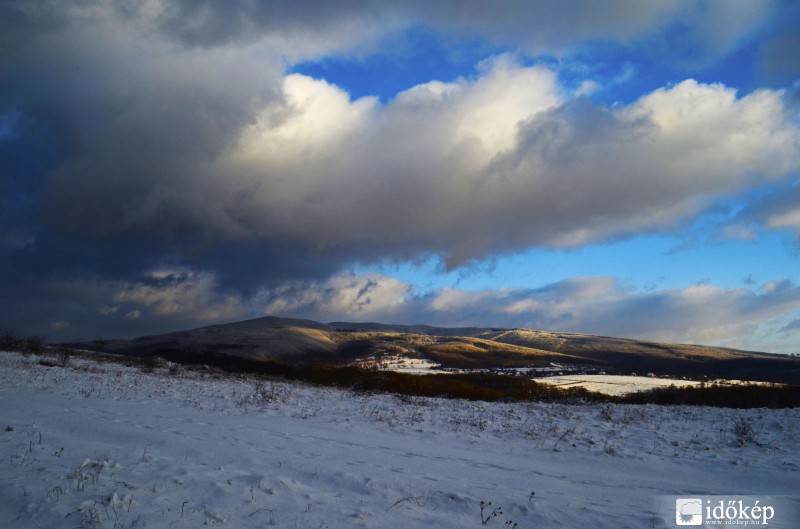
{"x": 721, "y": 395}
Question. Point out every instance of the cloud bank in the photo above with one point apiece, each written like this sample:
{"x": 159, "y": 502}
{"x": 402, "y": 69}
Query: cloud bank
{"x": 161, "y": 167}
{"x": 467, "y": 169}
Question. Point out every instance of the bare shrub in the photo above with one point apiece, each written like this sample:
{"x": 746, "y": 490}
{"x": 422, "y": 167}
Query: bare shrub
{"x": 8, "y": 340}
{"x": 487, "y": 514}
{"x": 89, "y": 471}
{"x": 63, "y": 357}
{"x": 743, "y": 431}
{"x": 263, "y": 393}
{"x": 32, "y": 345}
{"x": 150, "y": 363}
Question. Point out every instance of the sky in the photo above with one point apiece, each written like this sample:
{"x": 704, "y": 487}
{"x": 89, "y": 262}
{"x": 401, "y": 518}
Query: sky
{"x": 620, "y": 168}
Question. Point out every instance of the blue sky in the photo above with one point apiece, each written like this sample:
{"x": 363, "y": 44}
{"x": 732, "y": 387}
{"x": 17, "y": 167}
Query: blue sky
{"x": 620, "y": 168}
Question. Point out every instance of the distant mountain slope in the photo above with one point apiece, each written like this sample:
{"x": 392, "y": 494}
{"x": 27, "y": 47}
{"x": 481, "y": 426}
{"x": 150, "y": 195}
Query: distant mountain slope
{"x": 617, "y": 355}
{"x": 267, "y": 338}
{"x": 608, "y": 348}
{"x": 427, "y": 330}
{"x": 642, "y": 356}
{"x": 300, "y": 341}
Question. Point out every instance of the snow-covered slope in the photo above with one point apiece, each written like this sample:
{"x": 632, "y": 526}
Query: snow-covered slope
{"x": 103, "y": 445}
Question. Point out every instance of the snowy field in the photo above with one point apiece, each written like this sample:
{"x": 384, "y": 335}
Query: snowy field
{"x": 401, "y": 364}
{"x": 109, "y": 446}
{"x": 614, "y": 384}
{"x": 625, "y": 384}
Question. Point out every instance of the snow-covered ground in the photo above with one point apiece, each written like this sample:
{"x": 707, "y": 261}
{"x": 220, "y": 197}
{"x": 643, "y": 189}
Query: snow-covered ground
{"x": 614, "y": 384}
{"x": 401, "y": 364}
{"x": 110, "y": 446}
{"x": 625, "y": 384}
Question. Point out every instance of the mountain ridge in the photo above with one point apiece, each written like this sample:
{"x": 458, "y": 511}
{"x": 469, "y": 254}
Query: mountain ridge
{"x": 305, "y": 342}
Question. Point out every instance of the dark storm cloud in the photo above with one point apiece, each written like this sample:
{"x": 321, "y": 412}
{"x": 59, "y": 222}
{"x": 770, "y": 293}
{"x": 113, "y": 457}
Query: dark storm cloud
{"x": 122, "y": 115}
{"x": 205, "y": 22}
{"x": 778, "y": 53}
{"x": 779, "y": 58}
{"x": 210, "y": 23}
{"x": 793, "y": 327}
{"x": 778, "y": 209}
{"x": 692, "y": 31}
{"x": 97, "y": 113}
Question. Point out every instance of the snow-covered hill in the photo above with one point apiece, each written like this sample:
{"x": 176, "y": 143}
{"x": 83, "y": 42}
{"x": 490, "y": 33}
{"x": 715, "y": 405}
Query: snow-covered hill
{"x": 104, "y": 445}
{"x": 307, "y": 342}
